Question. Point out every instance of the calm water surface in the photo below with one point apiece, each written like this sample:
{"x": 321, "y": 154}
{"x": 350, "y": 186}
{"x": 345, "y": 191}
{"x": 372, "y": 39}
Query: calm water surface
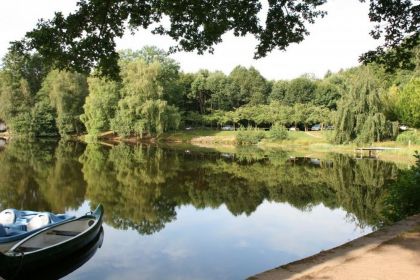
{"x": 184, "y": 213}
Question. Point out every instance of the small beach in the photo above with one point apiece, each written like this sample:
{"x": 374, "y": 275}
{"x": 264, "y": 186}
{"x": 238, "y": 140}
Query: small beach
{"x": 390, "y": 253}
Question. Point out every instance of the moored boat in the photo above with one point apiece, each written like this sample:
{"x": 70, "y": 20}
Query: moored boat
{"x": 15, "y": 225}
{"x": 52, "y": 243}
{"x": 59, "y": 268}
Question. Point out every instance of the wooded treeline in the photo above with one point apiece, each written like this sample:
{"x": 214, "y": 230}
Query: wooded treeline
{"x": 364, "y": 103}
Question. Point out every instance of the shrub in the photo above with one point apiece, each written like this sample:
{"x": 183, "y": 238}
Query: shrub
{"x": 249, "y": 135}
{"x": 278, "y": 132}
{"x": 406, "y": 137}
{"x": 403, "y": 197}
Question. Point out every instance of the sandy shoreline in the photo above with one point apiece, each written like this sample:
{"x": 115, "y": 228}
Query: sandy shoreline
{"x": 390, "y": 253}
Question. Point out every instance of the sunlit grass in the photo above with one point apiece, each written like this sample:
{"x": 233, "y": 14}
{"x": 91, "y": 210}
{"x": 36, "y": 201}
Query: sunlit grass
{"x": 188, "y": 135}
{"x": 310, "y": 142}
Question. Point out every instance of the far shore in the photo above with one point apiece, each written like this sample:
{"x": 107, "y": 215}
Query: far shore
{"x": 301, "y": 143}
{"x": 309, "y": 143}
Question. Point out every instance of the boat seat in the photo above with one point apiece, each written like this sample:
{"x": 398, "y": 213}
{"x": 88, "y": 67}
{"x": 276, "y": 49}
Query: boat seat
{"x": 2, "y": 231}
{"x": 64, "y": 232}
{"x": 59, "y": 217}
{"x": 12, "y": 232}
{"x": 7, "y": 216}
{"x": 38, "y": 221}
{"x": 17, "y": 227}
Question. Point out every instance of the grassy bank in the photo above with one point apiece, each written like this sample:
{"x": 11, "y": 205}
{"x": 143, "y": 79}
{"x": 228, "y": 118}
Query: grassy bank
{"x": 310, "y": 143}
{"x": 200, "y": 136}
{"x": 300, "y": 143}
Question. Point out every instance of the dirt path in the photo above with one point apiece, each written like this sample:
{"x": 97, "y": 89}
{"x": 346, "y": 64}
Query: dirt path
{"x": 313, "y": 135}
{"x": 388, "y": 254}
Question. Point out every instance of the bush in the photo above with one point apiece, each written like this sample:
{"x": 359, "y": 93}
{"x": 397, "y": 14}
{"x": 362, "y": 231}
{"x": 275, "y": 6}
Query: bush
{"x": 406, "y": 137}
{"x": 278, "y": 132}
{"x": 249, "y": 135}
{"x": 404, "y": 194}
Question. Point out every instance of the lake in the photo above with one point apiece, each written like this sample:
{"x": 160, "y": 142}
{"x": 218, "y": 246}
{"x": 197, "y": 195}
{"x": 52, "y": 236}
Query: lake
{"x": 183, "y": 212}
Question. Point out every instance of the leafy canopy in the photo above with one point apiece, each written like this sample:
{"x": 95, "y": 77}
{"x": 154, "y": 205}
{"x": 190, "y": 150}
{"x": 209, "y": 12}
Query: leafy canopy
{"x": 86, "y": 38}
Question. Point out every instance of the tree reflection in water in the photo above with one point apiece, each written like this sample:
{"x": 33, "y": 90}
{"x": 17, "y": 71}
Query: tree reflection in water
{"x": 142, "y": 186}
{"x": 41, "y": 176}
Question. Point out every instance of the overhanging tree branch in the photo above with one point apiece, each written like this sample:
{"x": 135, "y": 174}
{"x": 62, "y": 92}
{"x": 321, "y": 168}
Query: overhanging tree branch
{"x": 81, "y": 41}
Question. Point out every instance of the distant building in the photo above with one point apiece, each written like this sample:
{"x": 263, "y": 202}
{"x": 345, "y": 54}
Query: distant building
{"x": 3, "y": 126}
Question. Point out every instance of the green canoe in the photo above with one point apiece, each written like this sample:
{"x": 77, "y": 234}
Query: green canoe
{"x": 51, "y": 244}
{"x": 60, "y": 267}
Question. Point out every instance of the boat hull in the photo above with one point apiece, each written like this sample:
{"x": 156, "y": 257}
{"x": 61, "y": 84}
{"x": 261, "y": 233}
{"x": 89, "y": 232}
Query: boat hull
{"x": 6, "y": 246}
{"x": 15, "y": 261}
{"x": 62, "y": 266}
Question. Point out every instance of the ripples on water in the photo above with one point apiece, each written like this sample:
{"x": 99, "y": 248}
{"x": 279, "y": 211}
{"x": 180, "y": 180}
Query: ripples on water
{"x": 192, "y": 213}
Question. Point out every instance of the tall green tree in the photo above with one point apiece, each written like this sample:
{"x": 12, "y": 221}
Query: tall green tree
{"x": 186, "y": 102}
{"x": 200, "y": 92}
{"x": 21, "y": 78}
{"x": 30, "y": 67}
{"x": 280, "y": 113}
{"x": 359, "y": 115}
{"x": 100, "y": 105}
{"x": 223, "y": 92}
{"x": 67, "y": 92}
{"x": 389, "y": 100}
{"x": 408, "y": 104}
{"x": 142, "y": 108}
{"x": 327, "y": 94}
{"x": 169, "y": 70}
{"x": 300, "y": 90}
{"x": 253, "y": 88}
{"x": 44, "y": 117}
{"x": 16, "y": 101}
{"x": 278, "y": 91}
